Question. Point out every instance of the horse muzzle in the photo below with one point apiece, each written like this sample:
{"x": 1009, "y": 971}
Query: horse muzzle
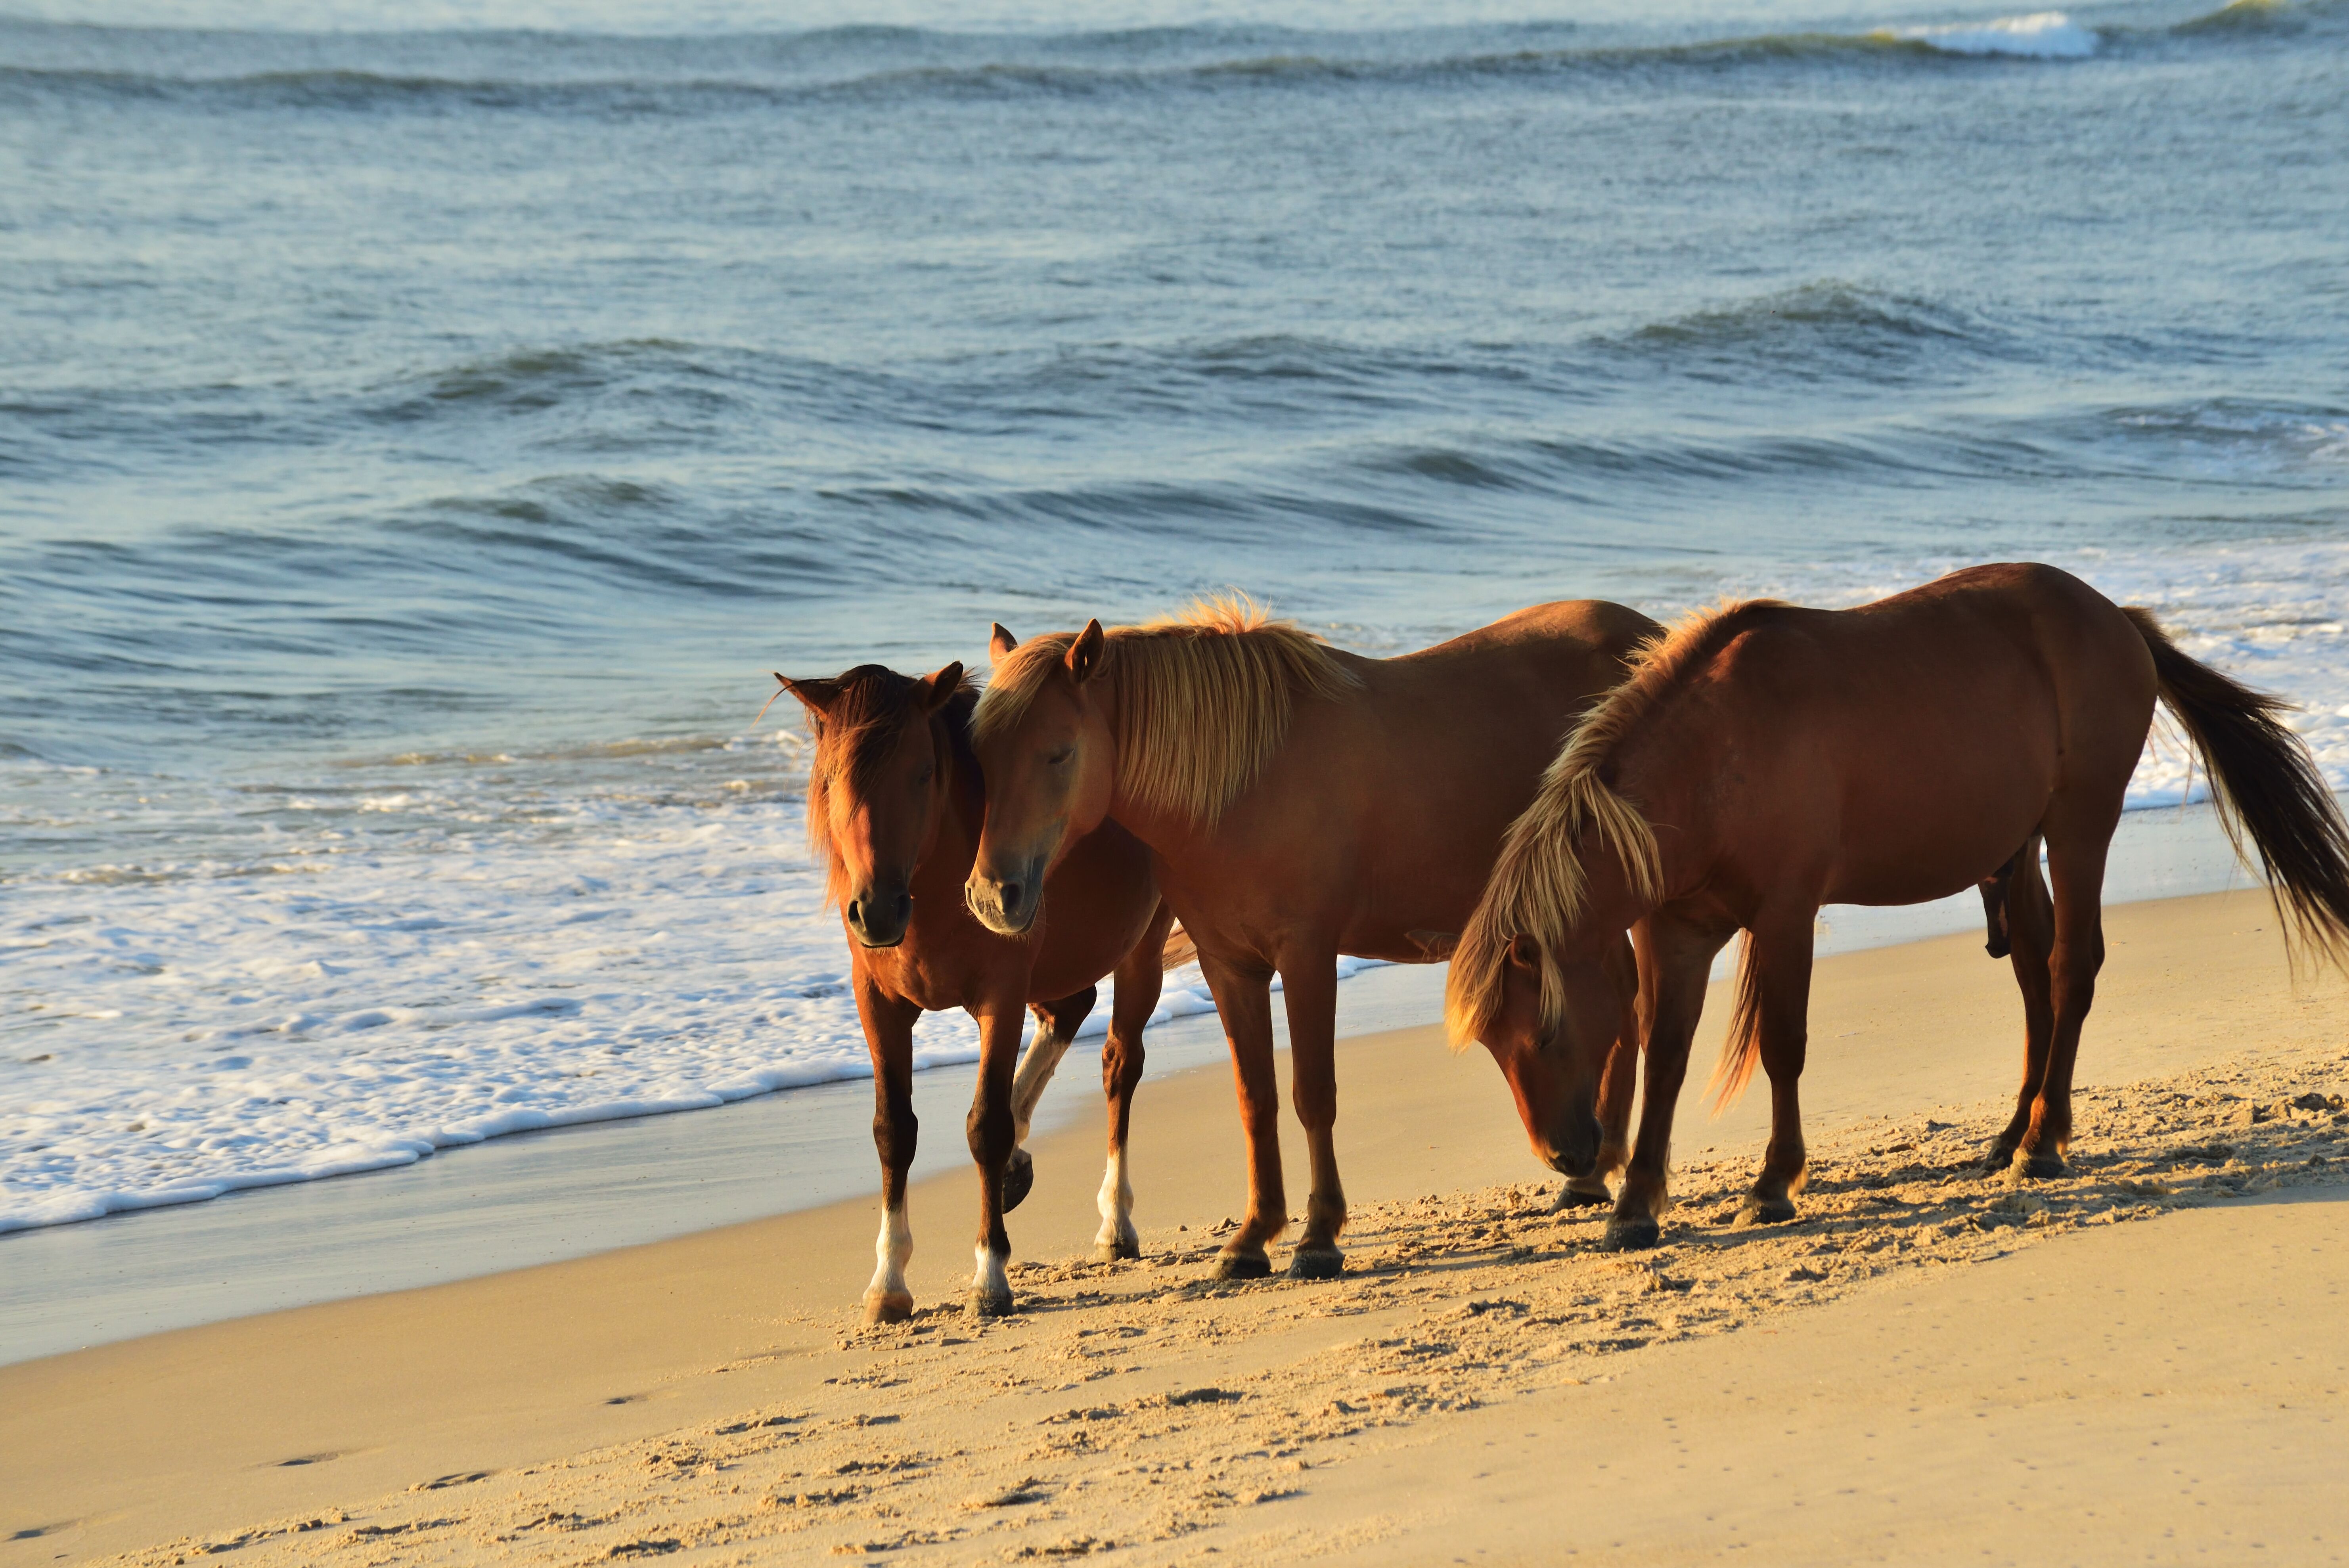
{"x": 1006, "y": 905}
{"x": 1574, "y": 1150}
{"x": 877, "y": 917}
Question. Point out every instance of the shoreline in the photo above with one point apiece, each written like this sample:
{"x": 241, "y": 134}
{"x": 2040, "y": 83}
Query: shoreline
{"x": 552, "y": 1194}
{"x": 239, "y": 1422}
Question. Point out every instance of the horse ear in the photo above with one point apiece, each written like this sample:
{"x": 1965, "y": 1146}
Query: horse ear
{"x": 1435, "y": 946}
{"x": 1000, "y": 644}
{"x": 1524, "y": 952}
{"x": 942, "y": 687}
{"x": 815, "y": 695}
{"x": 1085, "y": 653}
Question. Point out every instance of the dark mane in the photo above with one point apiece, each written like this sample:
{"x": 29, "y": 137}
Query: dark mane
{"x": 855, "y": 736}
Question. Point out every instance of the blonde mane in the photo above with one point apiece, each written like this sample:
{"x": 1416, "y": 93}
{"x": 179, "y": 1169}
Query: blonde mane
{"x": 1203, "y": 698}
{"x": 1538, "y": 883}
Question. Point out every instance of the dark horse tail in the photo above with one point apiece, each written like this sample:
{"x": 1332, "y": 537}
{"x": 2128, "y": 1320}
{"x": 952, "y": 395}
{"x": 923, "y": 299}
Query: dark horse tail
{"x": 2264, "y": 782}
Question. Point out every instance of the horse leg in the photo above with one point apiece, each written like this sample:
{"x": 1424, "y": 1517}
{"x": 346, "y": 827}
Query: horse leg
{"x": 1782, "y": 1002}
{"x": 1678, "y": 962}
{"x": 2075, "y": 861}
{"x": 889, "y": 1035}
{"x": 1056, "y": 1026}
{"x": 2030, "y": 926}
{"x": 1139, "y": 980}
{"x": 989, "y": 1129}
{"x": 1616, "y": 1086}
{"x": 1244, "y": 1001}
{"x": 1310, "y": 991}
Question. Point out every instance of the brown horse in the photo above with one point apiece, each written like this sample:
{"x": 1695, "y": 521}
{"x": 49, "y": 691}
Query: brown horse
{"x": 894, "y": 802}
{"x": 1302, "y": 802}
{"x": 1766, "y": 759}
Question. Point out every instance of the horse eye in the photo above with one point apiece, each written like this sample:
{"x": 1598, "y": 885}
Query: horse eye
{"x": 1060, "y": 755}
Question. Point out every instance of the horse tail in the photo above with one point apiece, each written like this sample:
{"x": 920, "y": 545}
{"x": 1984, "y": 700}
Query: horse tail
{"x": 1744, "y": 1046}
{"x": 2263, "y": 782}
{"x": 1180, "y": 949}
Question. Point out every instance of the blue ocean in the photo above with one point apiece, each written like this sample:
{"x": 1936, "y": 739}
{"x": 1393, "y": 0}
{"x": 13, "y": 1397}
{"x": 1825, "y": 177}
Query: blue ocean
{"x": 424, "y": 426}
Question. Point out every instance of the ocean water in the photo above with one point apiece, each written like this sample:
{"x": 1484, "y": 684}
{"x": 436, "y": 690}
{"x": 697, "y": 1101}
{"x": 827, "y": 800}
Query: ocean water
{"x": 423, "y": 426}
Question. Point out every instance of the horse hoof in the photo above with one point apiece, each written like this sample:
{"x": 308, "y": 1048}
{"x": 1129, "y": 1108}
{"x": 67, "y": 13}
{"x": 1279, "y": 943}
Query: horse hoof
{"x": 1018, "y": 1176}
{"x": 2000, "y": 1156}
{"x": 888, "y": 1306}
{"x": 1316, "y": 1262}
{"x": 1636, "y": 1234}
{"x": 1573, "y": 1197}
{"x": 1125, "y": 1249}
{"x": 2040, "y": 1167}
{"x": 1243, "y": 1265}
{"x": 991, "y": 1302}
{"x": 1764, "y": 1212}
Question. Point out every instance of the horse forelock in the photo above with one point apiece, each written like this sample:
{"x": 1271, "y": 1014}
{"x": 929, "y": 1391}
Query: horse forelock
{"x": 1203, "y": 698}
{"x": 858, "y": 736}
{"x": 1538, "y": 883}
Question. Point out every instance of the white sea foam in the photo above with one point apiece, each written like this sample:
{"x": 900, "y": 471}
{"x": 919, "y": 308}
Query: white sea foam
{"x": 2042, "y": 36}
{"x": 351, "y": 972}
{"x": 337, "y": 998}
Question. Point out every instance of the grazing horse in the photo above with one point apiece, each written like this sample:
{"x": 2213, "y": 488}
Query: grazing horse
{"x": 1301, "y": 802}
{"x": 894, "y": 802}
{"x": 1765, "y": 759}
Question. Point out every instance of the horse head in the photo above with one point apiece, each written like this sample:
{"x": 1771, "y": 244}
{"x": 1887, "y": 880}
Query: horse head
{"x": 1554, "y": 1068}
{"x": 1050, "y": 755}
{"x": 881, "y": 775}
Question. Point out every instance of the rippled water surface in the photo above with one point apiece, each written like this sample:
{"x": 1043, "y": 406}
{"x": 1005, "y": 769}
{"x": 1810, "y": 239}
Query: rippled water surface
{"x": 421, "y": 428}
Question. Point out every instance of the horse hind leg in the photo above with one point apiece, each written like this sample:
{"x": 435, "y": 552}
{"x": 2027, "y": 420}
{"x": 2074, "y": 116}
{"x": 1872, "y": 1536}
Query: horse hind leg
{"x": 2030, "y": 926}
{"x": 1617, "y": 1088}
{"x": 2075, "y": 861}
{"x": 1056, "y": 1026}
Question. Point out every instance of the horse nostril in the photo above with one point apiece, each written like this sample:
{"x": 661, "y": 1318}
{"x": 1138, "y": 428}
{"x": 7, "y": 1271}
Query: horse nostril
{"x": 905, "y": 908}
{"x": 855, "y": 914}
{"x": 1010, "y": 895}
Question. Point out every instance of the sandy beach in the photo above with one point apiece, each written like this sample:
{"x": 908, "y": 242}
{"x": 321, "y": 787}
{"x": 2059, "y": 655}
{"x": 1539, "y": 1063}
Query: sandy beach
{"x": 2138, "y": 1362}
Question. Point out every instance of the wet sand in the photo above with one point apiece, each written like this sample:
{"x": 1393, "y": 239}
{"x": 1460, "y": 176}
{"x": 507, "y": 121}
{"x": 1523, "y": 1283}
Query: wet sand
{"x": 1905, "y": 1373}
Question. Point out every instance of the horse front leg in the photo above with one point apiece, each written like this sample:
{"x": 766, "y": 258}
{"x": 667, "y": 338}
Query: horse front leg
{"x": 1310, "y": 991}
{"x": 1676, "y": 962}
{"x": 1777, "y": 992}
{"x": 2031, "y": 934}
{"x": 1244, "y": 1001}
{"x": 1056, "y": 1026}
{"x": 990, "y": 1132}
{"x": 1140, "y": 978}
{"x": 889, "y": 1037}
{"x": 1617, "y": 1086}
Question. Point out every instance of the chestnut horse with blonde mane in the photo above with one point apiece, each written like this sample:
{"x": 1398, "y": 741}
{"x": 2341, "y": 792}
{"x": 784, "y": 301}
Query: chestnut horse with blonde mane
{"x": 1301, "y": 802}
{"x": 894, "y": 802}
{"x": 1764, "y": 760}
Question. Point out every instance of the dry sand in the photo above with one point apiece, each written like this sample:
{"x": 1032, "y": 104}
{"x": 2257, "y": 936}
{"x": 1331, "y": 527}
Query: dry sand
{"x": 2144, "y": 1361}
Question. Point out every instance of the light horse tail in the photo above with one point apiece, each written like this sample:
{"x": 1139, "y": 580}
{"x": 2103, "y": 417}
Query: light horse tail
{"x": 2263, "y": 782}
